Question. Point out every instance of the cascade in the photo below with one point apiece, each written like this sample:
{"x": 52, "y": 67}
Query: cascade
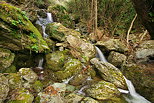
{"x": 40, "y": 65}
{"x": 133, "y": 97}
{"x": 43, "y": 22}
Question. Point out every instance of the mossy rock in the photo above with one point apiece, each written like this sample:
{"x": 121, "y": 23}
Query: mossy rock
{"x": 103, "y": 91}
{"x": 110, "y": 73}
{"x": 59, "y": 32}
{"x": 55, "y": 61}
{"x": 11, "y": 69}
{"x": 6, "y": 59}
{"x": 14, "y": 80}
{"x": 20, "y": 95}
{"x": 4, "y": 87}
{"x": 72, "y": 67}
{"x": 17, "y": 32}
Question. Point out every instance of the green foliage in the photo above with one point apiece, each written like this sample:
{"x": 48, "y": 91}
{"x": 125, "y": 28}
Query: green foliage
{"x": 35, "y": 48}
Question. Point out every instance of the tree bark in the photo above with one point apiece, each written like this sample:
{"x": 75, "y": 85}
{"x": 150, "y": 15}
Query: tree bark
{"x": 143, "y": 9}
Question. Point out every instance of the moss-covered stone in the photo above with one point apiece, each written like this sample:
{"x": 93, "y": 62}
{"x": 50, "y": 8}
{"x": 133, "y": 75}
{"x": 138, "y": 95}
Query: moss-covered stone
{"x": 17, "y": 32}
{"x": 110, "y": 73}
{"x": 112, "y": 45}
{"x": 72, "y": 67}
{"x": 6, "y": 59}
{"x": 38, "y": 86}
{"x": 28, "y": 74}
{"x": 103, "y": 91}
{"x": 11, "y": 69}
{"x": 55, "y": 61}
{"x": 59, "y": 32}
{"x": 15, "y": 80}
{"x": 4, "y": 88}
{"x": 117, "y": 59}
{"x": 73, "y": 98}
{"x": 20, "y": 95}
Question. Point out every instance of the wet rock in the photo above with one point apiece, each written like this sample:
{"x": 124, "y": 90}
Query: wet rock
{"x": 89, "y": 100}
{"x": 4, "y": 88}
{"x": 117, "y": 59}
{"x": 55, "y": 61}
{"x": 81, "y": 48}
{"x": 72, "y": 67}
{"x": 59, "y": 32}
{"x": 6, "y": 59}
{"x": 28, "y": 74}
{"x": 17, "y": 32}
{"x": 103, "y": 91}
{"x": 112, "y": 45}
{"x": 73, "y": 98}
{"x": 145, "y": 51}
{"x": 20, "y": 95}
{"x": 110, "y": 73}
{"x": 14, "y": 80}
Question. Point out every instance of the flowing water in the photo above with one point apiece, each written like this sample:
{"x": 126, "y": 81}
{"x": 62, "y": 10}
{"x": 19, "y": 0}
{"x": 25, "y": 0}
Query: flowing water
{"x": 40, "y": 65}
{"x": 43, "y": 22}
{"x": 132, "y": 97}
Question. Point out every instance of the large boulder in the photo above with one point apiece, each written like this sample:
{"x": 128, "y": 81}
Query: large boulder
{"x": 4, "y": 88}
{"x": 112, "y": 45}
{"x": 117, "y": 59}
{"x": 103, "y": 91}
{"x": 110, "y": 73}
{"x": 81, "y": 48}
{"x": 17, "y": 32}
{"x": 6, "y": 59}
{"x": 59, "y": 32}
{"x": 145, "y": 51}
{"x": 71, "y": 67}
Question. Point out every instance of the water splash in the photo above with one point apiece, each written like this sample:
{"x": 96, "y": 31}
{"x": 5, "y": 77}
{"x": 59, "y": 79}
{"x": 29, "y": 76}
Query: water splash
{"x": 40, "y": 65}
{"x": 133, "y": 96}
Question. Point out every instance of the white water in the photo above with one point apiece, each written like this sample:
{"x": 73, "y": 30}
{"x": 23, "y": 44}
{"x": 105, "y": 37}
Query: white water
{"x": 133, "y": 97}
{"x": 43, "y": 22}
{"x": 100, "y": 54}
{"x": 41, "y": 62}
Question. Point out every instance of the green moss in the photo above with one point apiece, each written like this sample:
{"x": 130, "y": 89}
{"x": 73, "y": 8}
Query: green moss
{"x": 38, "y": 86}
{"x": 11, "y": 69}
{"x": 19, "y": 28}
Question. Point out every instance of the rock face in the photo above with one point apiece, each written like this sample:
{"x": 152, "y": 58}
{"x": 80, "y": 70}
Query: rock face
{"x": 112, "y": 45}
{"x": 6, "y": 59}
{"x": 117, "y": 59}
{"x": 103, "y": 91}
{"x": 17, "y": 32}
{"x": 110, "y": 73}
{"x": 4, "y": 87}
{"x": 145, "y": 51}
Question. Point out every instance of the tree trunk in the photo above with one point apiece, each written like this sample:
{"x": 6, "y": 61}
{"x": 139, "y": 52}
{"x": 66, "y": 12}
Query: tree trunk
{"x": 144, "y": 8}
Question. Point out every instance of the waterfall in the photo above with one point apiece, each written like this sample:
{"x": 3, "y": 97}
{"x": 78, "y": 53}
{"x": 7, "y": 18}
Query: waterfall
{"x": 100, "y": 54}
{"x": 133, "y": 97}
{"x": 40, "y": 65}
{"x": 43, "y": 22}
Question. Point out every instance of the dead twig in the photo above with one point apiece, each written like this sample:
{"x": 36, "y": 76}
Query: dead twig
{"x": 131, "y": 25}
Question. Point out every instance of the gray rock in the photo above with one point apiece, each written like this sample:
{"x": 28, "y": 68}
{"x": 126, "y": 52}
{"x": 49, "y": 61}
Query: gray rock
{"x": 110, "y": 73}
{"x": 112, "y": 45}
{"x": 117, "y": 59}
{"x": 28, "y": 74}
{"x": 73, "y": 98}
